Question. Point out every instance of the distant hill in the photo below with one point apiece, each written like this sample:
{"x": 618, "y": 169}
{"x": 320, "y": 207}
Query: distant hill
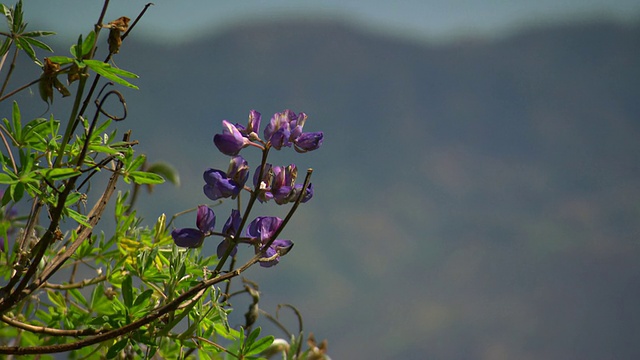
{"x": 475, "y": 200}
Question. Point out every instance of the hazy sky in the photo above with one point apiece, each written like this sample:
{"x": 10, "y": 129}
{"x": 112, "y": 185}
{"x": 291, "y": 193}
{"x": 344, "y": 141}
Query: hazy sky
{"x": 171, "y": 20}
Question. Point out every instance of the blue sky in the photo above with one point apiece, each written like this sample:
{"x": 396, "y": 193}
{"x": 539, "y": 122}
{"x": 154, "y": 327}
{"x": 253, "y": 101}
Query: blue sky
{"x": 434, "y": 20}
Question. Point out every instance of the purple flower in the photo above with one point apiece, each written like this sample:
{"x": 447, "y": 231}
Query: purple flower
{"x": 205, "y": 219}
{"x": 238, "y": 170}
{"x": 253, "y": 126}
{"x": 278, "y": 130}
{"x": 279, "y": 183}
{"x": 193, "y": 238}
{"x": 261, "y": 230}
{"x": 308, "y": 141}
{"x": 223, "y": 185}
{"x": 230, "y": 228}
{"x": 279, "y": 247}
{"x": 187, "y": 237}
{"x": 307, "y": 195}
{"x": 231, "y": 141}
{"x": 254, "y": 123}
{"x": 280, "y": 188}
{"x": 263, "y": 185}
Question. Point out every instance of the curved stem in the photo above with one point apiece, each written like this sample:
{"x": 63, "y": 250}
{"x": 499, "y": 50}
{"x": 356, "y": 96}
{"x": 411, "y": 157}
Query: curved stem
{"x": 11, "y": 68}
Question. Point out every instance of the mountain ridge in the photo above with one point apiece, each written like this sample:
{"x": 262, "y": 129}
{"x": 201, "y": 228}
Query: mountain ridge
{"x": 473, "y": 200}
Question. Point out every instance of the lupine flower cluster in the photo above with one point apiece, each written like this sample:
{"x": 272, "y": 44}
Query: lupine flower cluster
{"x": 278, "y": 183}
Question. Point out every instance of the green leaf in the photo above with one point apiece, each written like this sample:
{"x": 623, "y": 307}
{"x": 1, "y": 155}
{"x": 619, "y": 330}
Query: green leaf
{"x": 260, "y": 345}
{"x": 166, "y": 171}
{"x": 57, "y": 299}
{"x": 127, "y": 291}
{"x": 16, "y": 119}
{"x": 79, "y": 218}
{"x": 17, "y": 18}
{"x": 136, "y": 163}
{"x": 144, "y": 297}
{"x": 38, "y": 43}
{"x": 111, "y": 73}
{"x": 5, "y": 46}
{"x": 37, "y": 33}
{"x": 7, "y": 12}
{"x": 76, "y": 294}
{"x": 62, "y": 60}
{"x": 143, "y": 177}
{"x": 7, "y": 179}
{"x": 99, "y": 301}
{"x": 76, "y": 48}
{"x": 73, "y": 198}
{"x": 59, "y": 173}
{"x": 252, "y": 337}
{"x": 35, "y": 132}
{"x": 116, "y": 348}
{"x": 103, "y": 149}
{"x": 87, "y": 44}
{"x": 24, "y": 45}
{"x": 15, "y": 192}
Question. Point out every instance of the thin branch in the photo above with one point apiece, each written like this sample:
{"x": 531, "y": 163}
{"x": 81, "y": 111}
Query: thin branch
{"x": 6, "y": 144}
{"x": 76, "y": 285}
{"x": 47, "y": 330}
{"x": 8, "y": 95}
{"x": 11, "y": 68}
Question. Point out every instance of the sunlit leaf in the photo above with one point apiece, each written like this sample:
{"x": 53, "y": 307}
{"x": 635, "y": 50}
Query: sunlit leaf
{"x": 79, "y": 218}
{"x": 62, "y": 60}
{"x": 110, "y": 72}
{"x": 260, "y": 345}
{"x": 143, "y": 177}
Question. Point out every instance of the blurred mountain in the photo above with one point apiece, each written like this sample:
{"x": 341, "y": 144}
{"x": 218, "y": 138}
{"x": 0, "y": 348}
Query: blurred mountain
{"x": 476, "y": 200}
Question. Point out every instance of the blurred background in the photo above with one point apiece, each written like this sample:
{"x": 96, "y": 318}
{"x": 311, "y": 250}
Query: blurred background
{"x": 477, "y": 194}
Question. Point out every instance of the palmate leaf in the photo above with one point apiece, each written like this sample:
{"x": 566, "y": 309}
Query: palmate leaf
{"x": 37, "y": 43}
{"x": 111, "y": 73}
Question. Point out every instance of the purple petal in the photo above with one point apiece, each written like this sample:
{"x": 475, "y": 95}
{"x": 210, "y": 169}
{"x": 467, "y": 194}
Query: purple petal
{"x": 233, "y": 223}
{"x": 267, "y": 254}
{"x": 206, "y": 219}
{"x": 308, "y": 141}
{"x": 267, "y": 226}
{"x": 231, "y": 141}
{"x": 219, "y": 186}
{"x": 280, "y": 138}
{"x": 254, "y": 122}
{"x": 187, "y": 237}
{"x": 222, "y": 248}
{"x": 238, "y": 170}
{"x": 282, "y": 247}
